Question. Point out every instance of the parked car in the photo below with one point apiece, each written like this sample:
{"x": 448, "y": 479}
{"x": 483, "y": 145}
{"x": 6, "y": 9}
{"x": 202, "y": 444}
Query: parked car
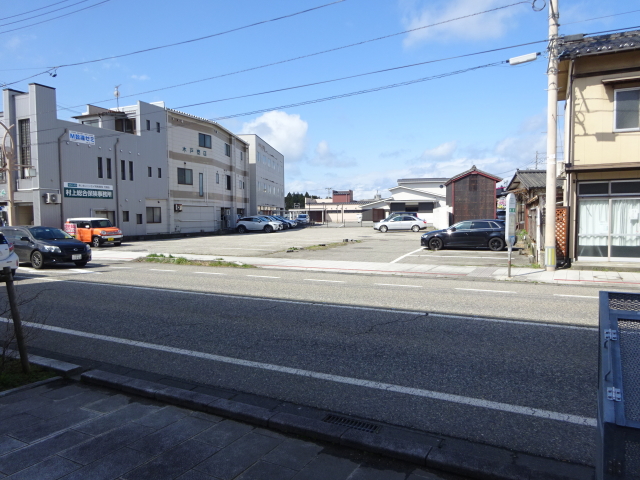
{"x": 303, "y": 218}
{"x": 401, "y": 222}
{"x": 470, "y": 233}
{"x": 45, "y": 245}
{"x": 501, "y": 215}
{"x": 396, "y": 214}
{"x": 8, "y": 256}
{"x": 250, "y": 224}
{"x": 95, "y": 231}
{"x": 274, "y": 220}
{"x": 290, "y": 223}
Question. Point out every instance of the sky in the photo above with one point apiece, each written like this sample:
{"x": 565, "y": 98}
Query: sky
{"x": 447, "y": 115}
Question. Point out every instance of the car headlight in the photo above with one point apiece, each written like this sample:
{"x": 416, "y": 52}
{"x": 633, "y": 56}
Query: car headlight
{"x": 103, "y": 232}
{"x": 88, "y": 248}
{"x": 50, "y": 248}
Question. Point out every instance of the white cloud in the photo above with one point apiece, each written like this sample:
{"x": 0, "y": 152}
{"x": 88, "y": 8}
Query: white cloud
{"x": 142, "y": 78}
{"x": 443, "y": 150}
{"x": 477, "y": 27}
{"x": 285, "y": 132}
{"x": 325, "y": 157}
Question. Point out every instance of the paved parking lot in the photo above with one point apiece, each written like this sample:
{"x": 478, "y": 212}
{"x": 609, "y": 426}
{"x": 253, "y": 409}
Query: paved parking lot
{"x": 365, "y": 245}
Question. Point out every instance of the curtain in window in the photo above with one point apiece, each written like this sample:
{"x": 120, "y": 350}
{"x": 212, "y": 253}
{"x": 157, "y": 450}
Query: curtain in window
{"x": 625, "y": 228}
{"x": 593, "y": 228}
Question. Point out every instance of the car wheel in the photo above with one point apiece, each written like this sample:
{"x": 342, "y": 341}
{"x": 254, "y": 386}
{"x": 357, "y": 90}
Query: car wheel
{"x": 496, "y": 244}
{"x": 436, "y": 243}
{"x": 268, "y": 228}
{"x": 81, "y": 263}
{"x": 242, "y": 229}
{"x": 415, "y": 228}
{"x": 117, "y": 244}
{"x": 37, "y": 260}
{"x": 96, "y": 242}
{"x": 383, "y": 229}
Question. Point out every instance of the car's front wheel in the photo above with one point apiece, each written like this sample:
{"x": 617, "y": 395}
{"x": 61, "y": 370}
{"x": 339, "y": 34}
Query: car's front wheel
{"x": 268, "y": 228}
{"x": 242, "y": 229}
{"x": 96, "y": 242}
{"x": 383, "y": 229}
{"x": 496, "y": 244}
{"x": 436, "y": 243}
{"x": 415, "y": 228}
{"x": 37, "y": 260}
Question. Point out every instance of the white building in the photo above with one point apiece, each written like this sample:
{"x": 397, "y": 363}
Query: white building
{"x": 266, "y": 177}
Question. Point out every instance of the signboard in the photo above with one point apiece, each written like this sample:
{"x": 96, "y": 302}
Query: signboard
{"x": 87, "y": 190}
{"x": 510, "y": 220}
{"x": 79, "y": 137}
{"x": 70, "y": 228}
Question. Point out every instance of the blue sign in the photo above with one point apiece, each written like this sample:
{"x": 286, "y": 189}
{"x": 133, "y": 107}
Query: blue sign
{"x": 82, "y": 138}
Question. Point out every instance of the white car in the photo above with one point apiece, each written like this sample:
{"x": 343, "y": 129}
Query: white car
{"x": 303, "y": 218}
{"x": 273, "y": 219}
{"x": 8, "y": 257}
{"x": 401, "y": 222}
{"x": 247, "y": 224}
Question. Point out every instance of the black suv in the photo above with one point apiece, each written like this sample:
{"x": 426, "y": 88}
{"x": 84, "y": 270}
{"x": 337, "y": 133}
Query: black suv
{"x": 470, "y": 233}
{"x": 43, "y": 245}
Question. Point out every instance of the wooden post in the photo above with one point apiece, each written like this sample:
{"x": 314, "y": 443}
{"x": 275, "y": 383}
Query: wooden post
{"x": 17, "y": 323}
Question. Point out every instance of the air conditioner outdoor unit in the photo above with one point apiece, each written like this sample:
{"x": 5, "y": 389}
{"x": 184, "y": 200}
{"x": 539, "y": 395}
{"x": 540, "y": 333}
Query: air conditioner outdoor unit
{"x": 52, "y": 198}
{"x": 177, "y": 207}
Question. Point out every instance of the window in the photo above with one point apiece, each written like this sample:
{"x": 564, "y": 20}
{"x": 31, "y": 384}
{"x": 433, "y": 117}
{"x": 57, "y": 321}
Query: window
{"x": 95, "y": 122}
{"x": 153, "y": 215}
{"x": 627, "y": 109}
{"x": 126, "y": 125}
{"x": 123, "y": 172}
{"x": 125, "y": 215}
{"x": 242, "y": 156}
{"x": 480, "y": 225}
{"x": 130, "y": 170}
{"x": 149, "y": 171}
{"x": 159, "y": 172}
{"x": 108, "y": 168}
{"x": 99, "y": 167}
{"x": 227, "y": 149}
{"x": 228, "y": 182}
{"x": 240, "y": 184}
{"x": 24, "y": 127}
{"x": 597, "y": 188}
{"x": 201, "y": 184}
{"x": 158, "y": 127}
{"x": 204, "y": 140}
{"x": 625, "y": 188}
{"x": 148, "y": 124}
{"x": 185, "y": 176}
{"x": 139, "y": 218}
{"x": 217, "y": 177}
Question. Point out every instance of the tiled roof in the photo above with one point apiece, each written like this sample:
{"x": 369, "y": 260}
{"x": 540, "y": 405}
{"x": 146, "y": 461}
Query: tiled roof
{"x": 573, "y": 46}
{"x": 533, "y": 179}
{"x": 470, "y": 171}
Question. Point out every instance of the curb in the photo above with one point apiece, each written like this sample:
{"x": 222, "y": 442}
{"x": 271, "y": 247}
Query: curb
{"x": 29, "y": 386}
{"x": 447, "y": 454}
{"x": 63, "y": 368}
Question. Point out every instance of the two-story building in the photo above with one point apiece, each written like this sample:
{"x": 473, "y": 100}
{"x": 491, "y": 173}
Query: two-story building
{"x": 599, "y": 78}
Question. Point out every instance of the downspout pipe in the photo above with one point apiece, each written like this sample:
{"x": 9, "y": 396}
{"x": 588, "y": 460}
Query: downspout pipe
{"x": 66, "y": 130}
{"x": 115, "y": 169}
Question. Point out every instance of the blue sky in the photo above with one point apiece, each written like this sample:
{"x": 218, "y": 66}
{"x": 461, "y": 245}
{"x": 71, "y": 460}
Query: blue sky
{"x": 492, "y": 117}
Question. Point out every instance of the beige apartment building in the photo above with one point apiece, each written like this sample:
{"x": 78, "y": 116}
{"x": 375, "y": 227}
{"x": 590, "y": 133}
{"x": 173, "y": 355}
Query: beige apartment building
{"x": 599, "y": 77}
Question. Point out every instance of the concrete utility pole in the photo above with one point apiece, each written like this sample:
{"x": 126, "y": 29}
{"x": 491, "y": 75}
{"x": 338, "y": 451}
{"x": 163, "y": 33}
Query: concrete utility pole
{"x": 8, "y": 168}
{"x": 552, "y": 125}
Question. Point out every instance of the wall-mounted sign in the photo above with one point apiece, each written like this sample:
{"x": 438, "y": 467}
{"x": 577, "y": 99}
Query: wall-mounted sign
{"x": 87, "y": 190}
{"x": 79, "y": 137}
{"x": 197, "y": 151}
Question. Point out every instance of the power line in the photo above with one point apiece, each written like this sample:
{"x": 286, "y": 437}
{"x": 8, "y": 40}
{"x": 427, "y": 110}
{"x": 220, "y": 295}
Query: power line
{"x": 35, "y": 10}
{"x": 41, "y": 14}
{"x": 598, "y": 18}
{"x": 274, "y": 63}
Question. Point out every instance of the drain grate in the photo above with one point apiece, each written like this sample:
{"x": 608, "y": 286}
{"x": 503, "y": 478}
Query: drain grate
{"x": 351, "y": 423}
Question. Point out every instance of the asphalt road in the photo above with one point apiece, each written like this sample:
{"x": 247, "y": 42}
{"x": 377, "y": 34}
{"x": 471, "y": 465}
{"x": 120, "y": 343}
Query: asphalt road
{"x": 509, "y": 365}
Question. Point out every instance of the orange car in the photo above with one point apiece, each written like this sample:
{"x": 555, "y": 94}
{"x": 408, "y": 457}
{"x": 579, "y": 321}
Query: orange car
{"x": 95, "y": 231}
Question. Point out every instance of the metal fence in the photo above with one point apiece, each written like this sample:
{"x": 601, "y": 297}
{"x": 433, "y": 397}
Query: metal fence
{"x": 618, "y": 455}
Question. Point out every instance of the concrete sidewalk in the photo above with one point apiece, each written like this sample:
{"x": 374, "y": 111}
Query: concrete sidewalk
{"x": 519, "y": 274}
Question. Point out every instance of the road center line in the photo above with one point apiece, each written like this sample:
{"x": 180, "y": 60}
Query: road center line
{"x": 478, "y": 290}
{"x": 418, "y": 392}
{"x": 396, "y": 285}
{"x": 575, "y": 296}
{"x": 159, "y": 270}
{"x": 261, "y": 276}
{"x": 211, "y": 273}
{"x": 408, "y": 254}
{"x": 317, "y": 280}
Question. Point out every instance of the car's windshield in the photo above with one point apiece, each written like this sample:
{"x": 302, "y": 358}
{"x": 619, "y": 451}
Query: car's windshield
{"x": 44, "y": 233}
{"x": 101, "y": 223}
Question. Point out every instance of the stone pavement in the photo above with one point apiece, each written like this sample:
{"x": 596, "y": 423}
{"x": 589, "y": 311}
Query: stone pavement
{"x": 63, "y": 429}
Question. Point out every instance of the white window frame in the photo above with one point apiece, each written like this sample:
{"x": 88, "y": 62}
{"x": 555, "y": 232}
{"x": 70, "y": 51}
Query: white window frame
{"x": 615, "y": 110}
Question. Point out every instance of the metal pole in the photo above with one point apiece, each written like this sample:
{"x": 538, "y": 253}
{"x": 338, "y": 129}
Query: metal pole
{"x": 552, "y": 124}
{"x": 9, "y": 169}
{"x": 15, "y": 315}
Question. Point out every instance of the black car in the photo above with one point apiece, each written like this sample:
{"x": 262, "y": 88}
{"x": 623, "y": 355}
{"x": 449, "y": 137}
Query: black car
{"x": 470, "y": 233}
{"x": 45, "y": 245}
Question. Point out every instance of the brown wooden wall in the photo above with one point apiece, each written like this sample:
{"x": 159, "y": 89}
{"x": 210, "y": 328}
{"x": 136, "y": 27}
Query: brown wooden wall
{"x": 474, "y": 197}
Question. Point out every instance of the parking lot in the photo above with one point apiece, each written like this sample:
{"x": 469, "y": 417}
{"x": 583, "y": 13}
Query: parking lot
{"x": 321, "y": 243}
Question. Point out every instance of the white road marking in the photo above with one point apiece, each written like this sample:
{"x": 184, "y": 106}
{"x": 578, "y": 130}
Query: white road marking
{"x": 574, "y": 296}
{"x": 329, "y": 281}
{"x": 396, "y": 285}
{"x": 78, "y": 270}
{"x": 418, "y": 392}
{"x": 478, "y": 290}
{"x": 159, "y": 270}
{"x": 211, "y": 273}
{"x": 513, "y": 322}
{"x": 460, "y": 256}
{"x": 410, "y": 253}
{"x": 261, "y": 276}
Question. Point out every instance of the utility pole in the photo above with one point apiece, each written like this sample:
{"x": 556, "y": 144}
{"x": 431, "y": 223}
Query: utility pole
{"x": 328, "y": 189}
{"x": 552, "y": 124}
{"x": 8, "y": 168}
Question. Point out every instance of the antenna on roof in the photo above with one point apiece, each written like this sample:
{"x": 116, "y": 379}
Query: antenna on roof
{"x": 116, "y": 93}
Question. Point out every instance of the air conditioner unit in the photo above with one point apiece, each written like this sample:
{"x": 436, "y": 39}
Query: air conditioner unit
{"x": 177, "y": 207}
{"x": 52, "y": 198}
